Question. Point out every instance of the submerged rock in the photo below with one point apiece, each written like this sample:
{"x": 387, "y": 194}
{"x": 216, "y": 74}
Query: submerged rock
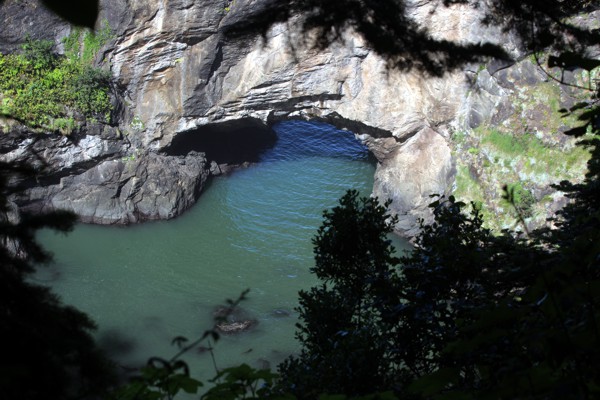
{"x": 233, "y": 320}
{"x": 281, "y": 313}
{"x": 116, "y": 343}
{"x": 235, "y": 327}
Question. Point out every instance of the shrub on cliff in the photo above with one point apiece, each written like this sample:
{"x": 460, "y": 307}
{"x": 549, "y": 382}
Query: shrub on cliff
{"x": 40, "y": 88}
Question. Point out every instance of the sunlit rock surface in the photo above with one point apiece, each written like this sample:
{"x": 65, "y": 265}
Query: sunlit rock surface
{"x": 178, "y": 69}
{"x": 182, "y": 71}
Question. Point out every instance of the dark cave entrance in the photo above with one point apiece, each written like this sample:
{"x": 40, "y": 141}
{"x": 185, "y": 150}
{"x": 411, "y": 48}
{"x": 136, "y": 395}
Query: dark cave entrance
{"x": 231, "y": 142}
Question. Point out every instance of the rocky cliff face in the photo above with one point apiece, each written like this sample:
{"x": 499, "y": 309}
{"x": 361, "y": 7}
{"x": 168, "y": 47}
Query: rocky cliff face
{"x": 180, "y": 71}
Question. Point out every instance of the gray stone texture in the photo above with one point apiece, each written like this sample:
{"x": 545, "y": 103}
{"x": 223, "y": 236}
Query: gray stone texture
{"x": 177, "y": 70}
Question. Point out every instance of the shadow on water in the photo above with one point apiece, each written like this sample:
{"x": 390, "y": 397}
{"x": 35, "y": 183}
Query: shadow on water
{"x": 231, "y": 142}
{"x": 116, "y": 343}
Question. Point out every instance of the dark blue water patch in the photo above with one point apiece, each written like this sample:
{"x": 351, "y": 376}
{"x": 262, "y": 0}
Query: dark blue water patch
{"x": 304, "y": 139}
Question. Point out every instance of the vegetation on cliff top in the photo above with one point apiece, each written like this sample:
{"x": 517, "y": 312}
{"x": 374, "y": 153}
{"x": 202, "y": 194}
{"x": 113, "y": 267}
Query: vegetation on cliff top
{"x": 49, "y": 92}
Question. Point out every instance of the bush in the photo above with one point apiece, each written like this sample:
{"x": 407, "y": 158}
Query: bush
{"x": 520, "y": 198}
{"x": 39, "y": 54}
{"x": 38, "y": 87}
{"x": 344, "y": 326}
{"x": 91, "y": 95}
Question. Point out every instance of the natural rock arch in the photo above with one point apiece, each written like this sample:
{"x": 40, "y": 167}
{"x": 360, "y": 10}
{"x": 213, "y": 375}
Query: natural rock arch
{"x": 179, "y": 72}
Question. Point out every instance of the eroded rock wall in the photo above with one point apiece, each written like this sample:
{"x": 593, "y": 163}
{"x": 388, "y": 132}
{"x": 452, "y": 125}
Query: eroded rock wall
{"x": 178, "y": 69}
{"x": 182, "y": 71}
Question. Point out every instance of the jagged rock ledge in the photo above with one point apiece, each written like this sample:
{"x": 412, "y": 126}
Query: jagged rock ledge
{"x": 97, "y": 176}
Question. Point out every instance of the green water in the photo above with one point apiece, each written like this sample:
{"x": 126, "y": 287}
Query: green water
{"x": 146, "y": 284}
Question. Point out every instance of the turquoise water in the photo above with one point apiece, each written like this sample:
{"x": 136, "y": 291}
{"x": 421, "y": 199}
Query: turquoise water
{"x": 146, "y": 284}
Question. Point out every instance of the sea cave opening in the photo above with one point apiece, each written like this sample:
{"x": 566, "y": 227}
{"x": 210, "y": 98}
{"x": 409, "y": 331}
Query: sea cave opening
{"x": 231, "y": 142}
{"x": 249, "y": 140}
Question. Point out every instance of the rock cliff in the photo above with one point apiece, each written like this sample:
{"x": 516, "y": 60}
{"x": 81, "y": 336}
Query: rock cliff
{"x": 179, "y": 70}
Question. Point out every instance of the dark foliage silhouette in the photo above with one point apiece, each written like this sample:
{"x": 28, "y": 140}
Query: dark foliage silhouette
{"x": 47, "y": 350}
{"x": 390, "y": 31}
{"x": 343, "y": 337}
